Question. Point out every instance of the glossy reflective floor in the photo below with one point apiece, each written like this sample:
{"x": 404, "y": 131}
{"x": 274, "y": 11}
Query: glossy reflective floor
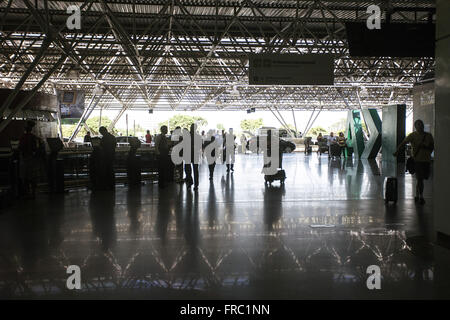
{"x": 234, "y": 238}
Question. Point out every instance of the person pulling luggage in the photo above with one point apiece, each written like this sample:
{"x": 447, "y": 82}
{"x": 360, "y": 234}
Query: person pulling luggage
{"x": 422, "y": 147}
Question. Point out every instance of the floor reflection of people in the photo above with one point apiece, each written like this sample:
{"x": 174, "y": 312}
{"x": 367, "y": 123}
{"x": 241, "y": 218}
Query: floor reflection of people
{"x": 55, "y": 216}
{"x": 179, "y": 202}
{"x": 192, "y": 229}
{"x": 333, "y": 165}
{"x": 273, "y": 206}
{"x": 134, "y": 208}
{"x": 163, "y": 215}
{"x": 341, "y": 171}
{"x": 101, "y": 208}
{"x": 35, "y": 234}
{"x": 354, "y": 181}
{"x": 227, "y": 183}
{"x": 212, "y": 206}
{"x": 319, "y": 166}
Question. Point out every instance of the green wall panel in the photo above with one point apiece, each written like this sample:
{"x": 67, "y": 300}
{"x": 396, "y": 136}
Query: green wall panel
{"x": 373, "y": 123}
{"x": 354, "y": 131}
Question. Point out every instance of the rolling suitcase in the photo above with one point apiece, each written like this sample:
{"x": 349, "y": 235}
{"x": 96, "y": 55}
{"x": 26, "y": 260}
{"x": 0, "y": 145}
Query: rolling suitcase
{"x": 280, "y": 175}
{"x": 390, "y": 189}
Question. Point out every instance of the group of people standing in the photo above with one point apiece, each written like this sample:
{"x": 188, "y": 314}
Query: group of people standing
{"x": 332, "y": 140}
{"x": 198, "y": 143}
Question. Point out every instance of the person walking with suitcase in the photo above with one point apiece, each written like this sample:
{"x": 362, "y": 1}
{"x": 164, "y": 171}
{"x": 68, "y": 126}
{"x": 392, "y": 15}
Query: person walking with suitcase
{"x": 422, "y": 146}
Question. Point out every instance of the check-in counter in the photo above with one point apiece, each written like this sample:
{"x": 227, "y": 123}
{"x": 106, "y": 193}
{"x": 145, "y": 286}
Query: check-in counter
{"x": 81, "y": 164}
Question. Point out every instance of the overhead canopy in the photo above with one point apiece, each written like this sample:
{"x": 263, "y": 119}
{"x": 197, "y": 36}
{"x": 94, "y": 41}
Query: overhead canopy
{"x": 193, "y": 54}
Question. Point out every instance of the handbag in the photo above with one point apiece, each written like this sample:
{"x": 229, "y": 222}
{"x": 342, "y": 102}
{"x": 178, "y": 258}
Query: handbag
{"x": 410, "y": 162}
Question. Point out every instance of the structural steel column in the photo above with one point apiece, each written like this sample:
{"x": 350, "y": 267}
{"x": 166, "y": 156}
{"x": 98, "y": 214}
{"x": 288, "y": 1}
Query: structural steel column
{"x": 393, "y": 132}
{"x": 441, "y": 182}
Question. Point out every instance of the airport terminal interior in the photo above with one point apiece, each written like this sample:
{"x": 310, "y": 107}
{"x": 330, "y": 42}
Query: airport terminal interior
{"x": 341, "y": 217}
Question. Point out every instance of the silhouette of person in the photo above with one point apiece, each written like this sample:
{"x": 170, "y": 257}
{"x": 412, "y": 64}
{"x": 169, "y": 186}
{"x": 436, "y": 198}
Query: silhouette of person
{"x": 162, "y": 150}
{"x": 213, "y": 154}
{"x": 87, "y": 137}
{"x": 422, "y": 147}
{"x": 28, "y": 148}
{"x": 108, "y": 151}
{"x": 229, "y": 150}
{"x": 148, "y": 137}
{"x": 196, "y": 146}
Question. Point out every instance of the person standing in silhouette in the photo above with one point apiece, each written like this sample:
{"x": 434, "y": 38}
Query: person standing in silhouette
{"x": 28, "y": 149}
{"x": 211, "y": 166}
{"x": 108, "y": 152}
{"x": 229, "y": 150}
{"x": 148, "y": 137}
{"x": 196, "y": 151}
{"x": 244, "y": 144}
{"x": 331, "y": 141}
{"x": 87, "y": 138}
{"x": 162, "y": 151}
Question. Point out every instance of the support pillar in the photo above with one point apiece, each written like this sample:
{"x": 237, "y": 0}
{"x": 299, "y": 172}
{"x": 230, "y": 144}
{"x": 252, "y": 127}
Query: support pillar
{"x": 441, "y": 179}
{"x": 393, "y": 132}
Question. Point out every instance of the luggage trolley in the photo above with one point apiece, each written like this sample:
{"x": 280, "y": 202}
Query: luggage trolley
{"x": 323, "y": 147}
{"x": 279, "y": 176}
